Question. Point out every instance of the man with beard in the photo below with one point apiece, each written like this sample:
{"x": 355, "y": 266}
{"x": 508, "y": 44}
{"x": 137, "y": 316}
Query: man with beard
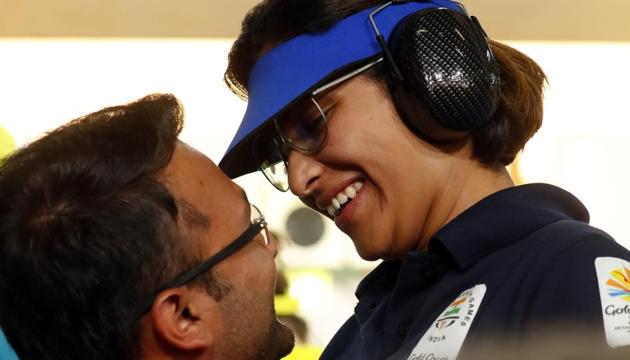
{"x": 118, "y": 241}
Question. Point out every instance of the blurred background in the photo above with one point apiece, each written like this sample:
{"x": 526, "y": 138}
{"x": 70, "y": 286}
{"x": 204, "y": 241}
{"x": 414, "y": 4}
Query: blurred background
{"x": 65, "y": 58}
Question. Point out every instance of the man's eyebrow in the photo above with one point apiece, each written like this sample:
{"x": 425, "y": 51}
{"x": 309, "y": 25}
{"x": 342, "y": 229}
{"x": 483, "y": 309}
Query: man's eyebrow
{"x": 191, "y": 215}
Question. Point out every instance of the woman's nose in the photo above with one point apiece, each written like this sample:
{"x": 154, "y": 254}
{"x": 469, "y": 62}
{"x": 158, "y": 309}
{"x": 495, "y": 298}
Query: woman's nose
{"x": 304, "y": 171}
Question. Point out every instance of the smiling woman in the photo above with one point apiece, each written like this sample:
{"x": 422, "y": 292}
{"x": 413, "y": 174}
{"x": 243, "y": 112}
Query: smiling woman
{"x": 427, "y": 134}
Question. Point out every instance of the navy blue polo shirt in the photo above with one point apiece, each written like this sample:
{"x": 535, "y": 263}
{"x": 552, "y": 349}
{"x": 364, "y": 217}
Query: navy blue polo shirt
{"x": 532, "y": 248}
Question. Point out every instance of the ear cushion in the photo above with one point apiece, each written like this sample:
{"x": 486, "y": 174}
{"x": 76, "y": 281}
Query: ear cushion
{"x": 446, "y": 62}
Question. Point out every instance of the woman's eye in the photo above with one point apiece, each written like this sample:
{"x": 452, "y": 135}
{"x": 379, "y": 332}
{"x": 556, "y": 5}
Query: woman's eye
{"x": 309, "y": 126}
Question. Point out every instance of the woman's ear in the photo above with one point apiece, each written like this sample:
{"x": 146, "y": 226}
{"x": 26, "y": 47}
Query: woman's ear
{"x": 183, "y": 319}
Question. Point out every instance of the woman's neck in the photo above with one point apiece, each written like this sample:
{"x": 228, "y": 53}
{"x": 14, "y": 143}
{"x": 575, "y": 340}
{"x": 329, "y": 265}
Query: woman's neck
{"x": 468, "y": 183}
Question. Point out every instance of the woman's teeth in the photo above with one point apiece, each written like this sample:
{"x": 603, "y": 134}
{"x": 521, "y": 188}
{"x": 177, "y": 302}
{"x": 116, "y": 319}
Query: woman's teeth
{"x": 343, "y": 197}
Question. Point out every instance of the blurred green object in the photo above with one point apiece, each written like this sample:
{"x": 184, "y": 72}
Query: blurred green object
{"x": 304, "y": 352}
{"x": 7, "y": 144}
{"x": 286, "y": 305}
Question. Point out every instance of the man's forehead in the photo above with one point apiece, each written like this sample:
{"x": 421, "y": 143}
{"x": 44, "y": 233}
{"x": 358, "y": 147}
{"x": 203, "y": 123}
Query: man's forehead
{"x": 195, "y": 178}
{"x": 186, "y": 146}
{"x": 243, "y": 194}
{"x": 205, "y": 196}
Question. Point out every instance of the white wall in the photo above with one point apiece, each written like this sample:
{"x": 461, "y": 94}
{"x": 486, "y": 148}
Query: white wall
{"x": 584, "y": 143}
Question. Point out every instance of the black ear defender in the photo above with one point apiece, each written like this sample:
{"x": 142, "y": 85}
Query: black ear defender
{"x": 442, "y": 57}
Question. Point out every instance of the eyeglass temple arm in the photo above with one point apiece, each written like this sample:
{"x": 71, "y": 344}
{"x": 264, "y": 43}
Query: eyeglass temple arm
{"x": 188, "y": 276}
{"x": 345, "y": 77}
{"x": 225, "y": 252}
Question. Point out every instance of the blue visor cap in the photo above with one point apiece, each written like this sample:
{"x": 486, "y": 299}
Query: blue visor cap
{"x": 296, "y": 67}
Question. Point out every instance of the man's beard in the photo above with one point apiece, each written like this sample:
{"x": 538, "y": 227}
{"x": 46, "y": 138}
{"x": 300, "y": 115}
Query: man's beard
{"x": 278, "y": 343}
{"x": 246, "y": 342}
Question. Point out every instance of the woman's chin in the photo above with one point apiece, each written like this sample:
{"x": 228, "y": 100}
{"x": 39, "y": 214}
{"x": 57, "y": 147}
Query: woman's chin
{"x": 369, "y": 253}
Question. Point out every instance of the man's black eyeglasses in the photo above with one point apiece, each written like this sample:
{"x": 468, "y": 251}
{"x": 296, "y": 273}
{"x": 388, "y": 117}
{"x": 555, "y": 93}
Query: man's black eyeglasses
{"x": 258, "y": 226}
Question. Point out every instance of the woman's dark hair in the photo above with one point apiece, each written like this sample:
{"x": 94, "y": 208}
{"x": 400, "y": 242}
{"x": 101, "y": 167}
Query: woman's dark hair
{"x": 88, "y": 232}
{"x": 520, "y": 111}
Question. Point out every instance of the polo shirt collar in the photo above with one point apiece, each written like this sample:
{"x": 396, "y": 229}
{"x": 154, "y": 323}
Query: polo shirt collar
{"x": 495, "y": 222}
{"x": 504, "y": 218}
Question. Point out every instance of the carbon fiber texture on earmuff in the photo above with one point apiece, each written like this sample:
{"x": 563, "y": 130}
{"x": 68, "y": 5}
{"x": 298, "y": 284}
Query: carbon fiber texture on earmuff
{"x": 445, "y": 60}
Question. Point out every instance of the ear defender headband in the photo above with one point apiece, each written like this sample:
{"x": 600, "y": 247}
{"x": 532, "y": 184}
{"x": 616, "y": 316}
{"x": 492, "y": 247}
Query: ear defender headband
{"x": 433, "y": 50}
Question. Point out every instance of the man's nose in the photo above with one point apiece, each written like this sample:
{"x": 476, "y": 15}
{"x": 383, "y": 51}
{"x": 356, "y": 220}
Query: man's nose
{"x": 304, "y": 171}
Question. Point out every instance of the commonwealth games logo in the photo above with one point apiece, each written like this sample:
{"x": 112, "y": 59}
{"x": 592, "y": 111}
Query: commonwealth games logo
{"x": 451, "y": 314}
{"x": 619, "y": 284}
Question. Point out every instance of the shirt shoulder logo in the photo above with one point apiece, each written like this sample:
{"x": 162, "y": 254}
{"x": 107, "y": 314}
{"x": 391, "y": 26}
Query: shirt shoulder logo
{"x": 613, "y": 277}
{"x": 446, "y": 335}
{"x": 619, "y": 283}
{"x": 451, "y": 315}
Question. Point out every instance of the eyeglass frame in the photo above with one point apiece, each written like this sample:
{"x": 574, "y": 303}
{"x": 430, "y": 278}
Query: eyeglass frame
{"x": 257, "y": 226}
{"x": 279, "y": 139}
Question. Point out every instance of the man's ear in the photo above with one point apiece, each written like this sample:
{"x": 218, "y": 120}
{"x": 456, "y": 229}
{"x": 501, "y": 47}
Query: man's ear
{"x": 183, "y": 318}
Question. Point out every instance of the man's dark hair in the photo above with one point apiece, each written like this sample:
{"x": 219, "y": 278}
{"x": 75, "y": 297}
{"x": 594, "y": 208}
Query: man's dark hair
{"x": 517, "y": 118}
{"x": 88, "y": 232}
